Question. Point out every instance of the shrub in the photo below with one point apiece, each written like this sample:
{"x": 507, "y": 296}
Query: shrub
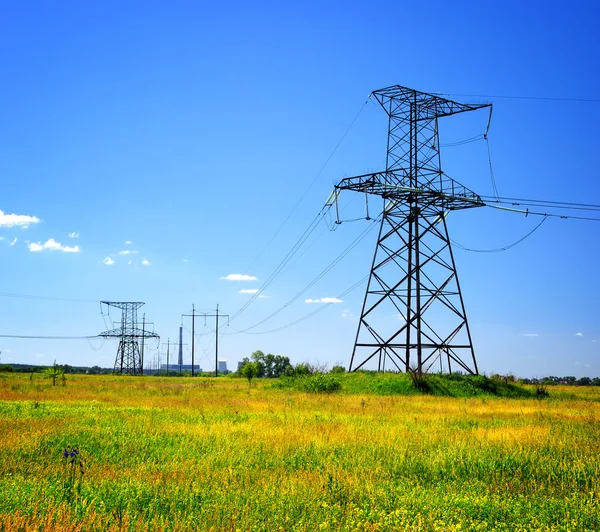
{"x": 249, "y": 370}
{"x": 321, "y": 383}
{"x": 541, "y": 390}
{"x": 301, "y": 370}
{"x": 420, "y": 381}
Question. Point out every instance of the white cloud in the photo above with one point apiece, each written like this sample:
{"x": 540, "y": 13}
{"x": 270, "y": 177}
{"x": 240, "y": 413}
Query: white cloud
{"x": 579, "y": 334}
{"x": 184, "y": 260}
{"x": 53, "y": 245}
{"x": 74, "y": 234}
{"x": 248, "y": 290}
{"x": 146, "y": 262}
{"x": 263, "y": 296}
{"x": 239, "y": 277}
{"x": 129, "y": 262}
{"x": 531, "y": 334}
{"x": 128, "y": 242}
{"x": 2, "y": 238}
{"x": 347, "y": 313}
{"x": 13, "y": 241}
{"x": 128, "y": 252}
{"x": 324, "y": 300}
{"x": 10, "y": 220}
{"x": 108, "y": 261}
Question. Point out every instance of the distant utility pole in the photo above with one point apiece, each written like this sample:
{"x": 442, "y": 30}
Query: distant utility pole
{"x": 216, "y": 315}
{"x": 144, "y": 323}
{"x": 169, "y": 344}
{"x": 143, "y": 335}
{"x": 193, "y": 316}
{"x": 180, "y": 354}
{"x": 181, "y": 344}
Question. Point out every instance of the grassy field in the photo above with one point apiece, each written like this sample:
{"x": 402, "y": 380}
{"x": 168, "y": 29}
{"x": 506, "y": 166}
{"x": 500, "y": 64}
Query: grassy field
{"x": 217, "y": 454}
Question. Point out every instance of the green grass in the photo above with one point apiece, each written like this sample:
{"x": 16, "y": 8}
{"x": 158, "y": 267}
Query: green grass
{"x": 455, "y": 385}
{"x": 218, "y": 454}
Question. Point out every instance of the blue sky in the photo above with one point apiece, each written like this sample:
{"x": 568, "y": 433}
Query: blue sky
{"x": 150, "y": 150}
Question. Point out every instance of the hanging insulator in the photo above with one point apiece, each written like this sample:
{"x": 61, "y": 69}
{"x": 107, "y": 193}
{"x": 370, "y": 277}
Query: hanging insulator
{"x": 333, "y": 197}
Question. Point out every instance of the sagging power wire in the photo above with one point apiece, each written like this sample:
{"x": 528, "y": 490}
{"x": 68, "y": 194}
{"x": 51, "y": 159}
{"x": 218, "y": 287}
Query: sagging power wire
{"x": 42, "y": 337}
{"x": 334, "y": 263}
{"x": 504, "y": 248}
{"x": 310, "y": 314}
{"x": 310, "y": 185}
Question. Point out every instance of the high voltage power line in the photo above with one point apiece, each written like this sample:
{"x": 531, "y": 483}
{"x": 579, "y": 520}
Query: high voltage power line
{"x": 488, "y": 199}
{"x": 505, "y": 248}
{"x": 464, "y": 248}
{"x": 495, "y": 202}
{"x": 42, "y": 337}
{"x": 336, "y": 261}
{"x": 305, "y": 235}
{"x": 306, "y": 316}
{"x": 49, "y": 298}
{"x": 310, "y": 185}
{"x": 542, "y": 98}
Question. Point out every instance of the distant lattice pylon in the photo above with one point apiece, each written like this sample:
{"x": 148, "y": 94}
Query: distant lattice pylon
{"x": 128, "y": 360}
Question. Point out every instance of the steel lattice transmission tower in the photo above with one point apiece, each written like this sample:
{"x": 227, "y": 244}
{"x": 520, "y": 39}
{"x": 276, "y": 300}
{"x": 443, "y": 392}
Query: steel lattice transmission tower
{"x": 413, "y": 315}
{"x": 129, "y": 359}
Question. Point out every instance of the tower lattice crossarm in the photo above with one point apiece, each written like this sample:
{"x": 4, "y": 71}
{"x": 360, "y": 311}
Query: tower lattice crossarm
{"x": 392, "y": 185}
{"x": 413, "y": 316}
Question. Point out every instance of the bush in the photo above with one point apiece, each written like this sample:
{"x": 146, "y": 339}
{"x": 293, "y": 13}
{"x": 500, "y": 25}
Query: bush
{"x": 301, "y": 370}
{"x": 320, "y": 383}
{"x": 420, "y": 381}
{"x": 249, "y": 370}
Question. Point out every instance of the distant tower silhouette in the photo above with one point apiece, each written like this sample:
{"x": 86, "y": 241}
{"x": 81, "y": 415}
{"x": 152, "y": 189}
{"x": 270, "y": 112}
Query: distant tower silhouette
{"x": 180, "y": 358}
{"x": 413, "y": 316}
{"x": 128, "y": 360}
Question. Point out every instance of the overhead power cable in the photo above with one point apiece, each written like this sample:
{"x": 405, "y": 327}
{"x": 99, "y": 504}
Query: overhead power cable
{"x": 546, "y": 98}
{"x": 41, "y": 337}
{"x": 462, "y": 142}
{"x": 543, "y": 203}
{"x": 48, "y": 298}
{"x": 281, "y": 265}
{"x": 349, "y": 248}
{"x": 310, "y": 185}
{"x": 550, "y": 215}
{"x": 310, "y": 314}
{"x": 497, "y": 250}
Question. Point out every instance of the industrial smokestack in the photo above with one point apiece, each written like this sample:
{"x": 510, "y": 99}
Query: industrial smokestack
{"x": 180, "y": 361}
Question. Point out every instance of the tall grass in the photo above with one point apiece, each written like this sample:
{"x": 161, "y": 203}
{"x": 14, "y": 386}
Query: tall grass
{"x": 216, "y": 454}
{"x": 455, "y": 385}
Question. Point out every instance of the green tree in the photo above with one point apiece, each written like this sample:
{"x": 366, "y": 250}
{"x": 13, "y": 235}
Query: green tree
{"x": 259, "y": 358}
{"x": 302, "y": 369}
{"x": 281, "y": 365}
{"x": 249, "y": 370}
{"x": 55, "y": 372}
{"x": 270, "y": 366}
